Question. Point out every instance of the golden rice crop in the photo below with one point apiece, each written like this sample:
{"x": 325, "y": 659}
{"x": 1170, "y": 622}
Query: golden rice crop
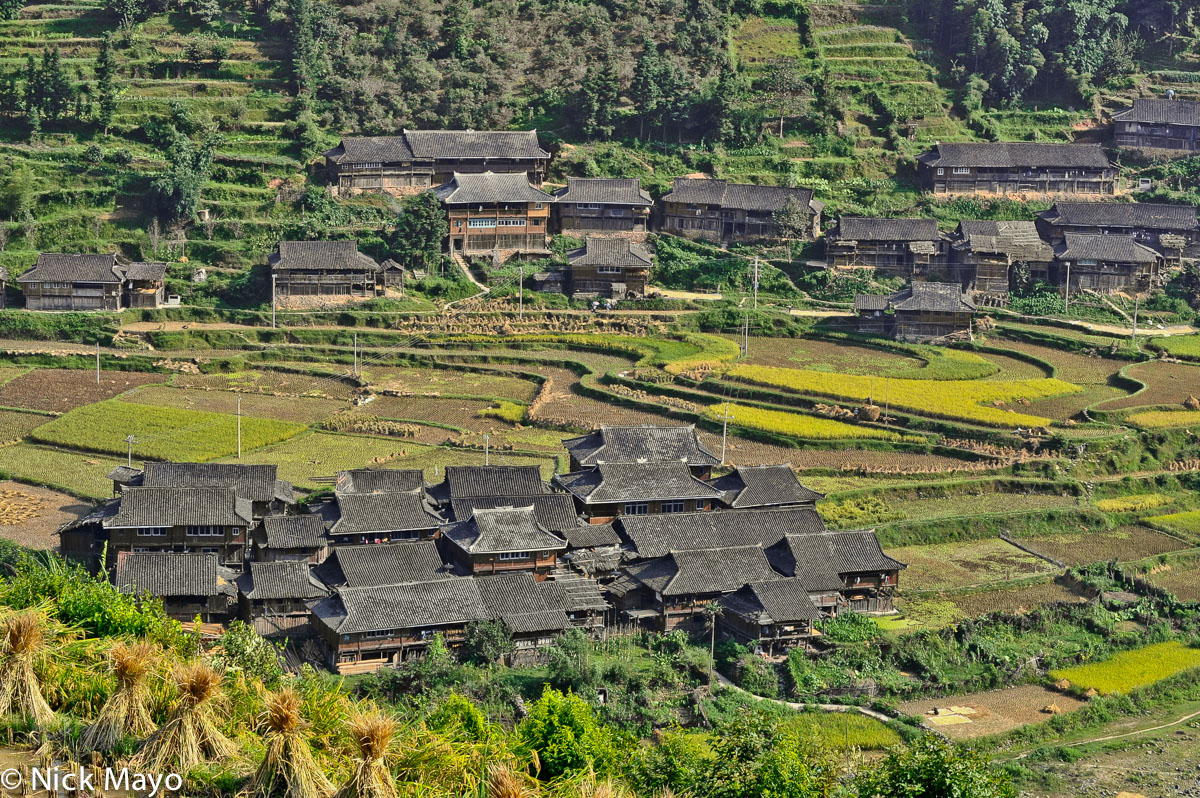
{"x": 1187, "y": 522}
{"x": 1131, "y": 669}
{"x": 801, "y": 426}
{"x": 962, "y": 400}
{"x": 1161, "y": 419}
{"x": 1130, "y": 504}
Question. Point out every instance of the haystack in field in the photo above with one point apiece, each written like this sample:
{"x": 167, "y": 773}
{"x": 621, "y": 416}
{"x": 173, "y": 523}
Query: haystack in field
{"x": 504, "y": 782}
{"x": 190, "y": 736}
{"x": 288, "y": 769}
{"x": 127, "y": 712}
{"x": 372, "y": 733}
{"x": 23, "y": 640}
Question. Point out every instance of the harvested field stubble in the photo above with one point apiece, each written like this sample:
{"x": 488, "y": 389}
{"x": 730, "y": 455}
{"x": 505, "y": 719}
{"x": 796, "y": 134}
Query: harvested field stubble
{"x": 31, "y": 516}
{"x": 1166, "y": 384}
{"x": 995, "y": 711}
{"x": 945, "y": 566}
{"x": 1124, "y": 543}
{"x": 301, "y": 410}
{"x": 15, "y": 425}
{"x": 61, "y": 390}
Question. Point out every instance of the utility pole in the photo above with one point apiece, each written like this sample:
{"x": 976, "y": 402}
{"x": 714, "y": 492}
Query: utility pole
{"x": 724, "y": 430}
{"x": 1136, "y": 297}
{"x": 272, "y": 301}
{"x": 486, "y": 448}
{"x": 521, "y": 292}
{"x": 744, "y": 345}
{"x": 1067, "y": 295}
{"x": 239, "y": 426}
{"x": 97, "y": 362}
{"x": 355, "y": 353}
{"x": 756, "y": 282}
{"x": 129, "y": 439}
{"x": 887, "y": 384}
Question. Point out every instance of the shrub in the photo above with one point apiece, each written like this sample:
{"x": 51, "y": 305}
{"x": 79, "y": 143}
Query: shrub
{"x": 851, "y": 627}
{"x": 755, "y": 675}
{"x": 566, "y": 736}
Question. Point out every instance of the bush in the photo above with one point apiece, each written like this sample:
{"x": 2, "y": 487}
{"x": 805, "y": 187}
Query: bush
{"x": 566, "y": 736}
{"x": 570, "y": 663}
{"x": 851, "y": 627}
{"x": 755, "y": 675}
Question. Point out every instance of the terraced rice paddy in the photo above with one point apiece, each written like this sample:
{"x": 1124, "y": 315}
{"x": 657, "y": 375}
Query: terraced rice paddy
{"x": 457, "y": 413}
{"x": 819, "y": 355}
{"x": 15, "y": 425}
{"x": 1164, "y": 419}
{"x": 1124, "y": 544}
{"x": 992, "y": 712}
{"x": 1181, "y": 578}
{"x": 61, "y": 390}
{"x": 80, "y": 473}
{"x": 1128, "y": 670}
{"x": 1073, "y": 367}
{"x": 946, "y": 566}
{"x": 1166, "y": 384}
{"x": 300, "y": 410}
{"x": 448, "y": 382}
{"x": 267, "y": 381}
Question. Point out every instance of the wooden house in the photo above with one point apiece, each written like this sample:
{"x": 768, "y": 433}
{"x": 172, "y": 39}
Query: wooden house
{"x": 487, "y": 481}
{"x": 499, "y": 213}
{"x": 851, "y": 564}
{"x": 372, "y": 566}
{"x": 617, "y": 489}
{"x": 925, "y": 311}
{"x": 291, "y": 538}
{"x": 554, "y": 511}
{"x": 1173, "y": 230}
{"x": 1016, "y": 168}
{"x": 650, "y": 536}
{"x": 181, "y": 521}
{"x": 189, "y": 585}
{"x": 380, "y": 480}
{"x": 274, "y": 597}
{"x": 873, "y": 314}
{"x": 1106, "y": 263}
{"x": 899, "y": 247}
{"x": 983, "y": 255}
{"x": 609, "y": 267}
{"x": 420, "y": 159}
{"x": 499, "y": 540}
{"x": 718, "y": 210}
{"x": 764, "y": 486}
{"x": 358, "y": 518}
{"x": 642, "y": 443}
{"x": 325, "y": 269}
{"x": 1158, "y": 124}
{"x": 258, "y": 484}
{"x": 775, "y": 615}
{"x": 613, "y": 205}
{"x": 91, "y": 282}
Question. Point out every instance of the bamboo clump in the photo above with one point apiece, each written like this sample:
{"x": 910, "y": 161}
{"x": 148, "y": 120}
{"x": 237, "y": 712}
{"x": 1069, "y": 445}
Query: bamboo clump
{"x": 288, "y": 769}
{"x": 22, "y": 642}
{"x": 371, "y": 778}
{"x": 190, "y": 736}
{"x": 127, "y": 712}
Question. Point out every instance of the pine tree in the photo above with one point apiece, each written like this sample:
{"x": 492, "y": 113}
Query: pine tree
{"x": 106, "y": 91}
{"x": 644, "y": 91}
{"x": 456, "y": 28}
{"x": 60, "y": 91}
{"x": 598, "y": 96}
{"x": 725, "y": 97}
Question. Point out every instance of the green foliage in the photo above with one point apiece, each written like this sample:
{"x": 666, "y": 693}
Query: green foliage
{"x": 571, "y": 664}
{"x": 1040, "y": 299}
{"x": 487, "y": 642}
{"x": 242, "y": 650}
{"x": 175, "y": 194}
{"x": 459, "y": 718}
{"x": 16, "y": 192}
{"x": 694, "y": 266}
{"x": 930, "y": 768}
{"x": 754, "y": 674}
{"x": 566, "y": 736}
{"x": 420, "y": 229}
{"x": 850, "y": 627}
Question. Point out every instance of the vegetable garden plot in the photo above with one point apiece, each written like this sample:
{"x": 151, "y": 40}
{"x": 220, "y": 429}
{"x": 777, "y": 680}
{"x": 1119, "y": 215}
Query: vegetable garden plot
{"x": 162, "y": 433}
{"x": 1128, "y": 670}
{"x": 300, "y": 410}
{"x": 1124, "y": 544}
{"x": 61, "y": 390}
{"x": 945, "y": 566}
{"x": 993, "y": 711}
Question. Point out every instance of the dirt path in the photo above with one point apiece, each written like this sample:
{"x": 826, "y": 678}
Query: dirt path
{"x": 870, "y": 713}
{"x": 1106, "y": 738}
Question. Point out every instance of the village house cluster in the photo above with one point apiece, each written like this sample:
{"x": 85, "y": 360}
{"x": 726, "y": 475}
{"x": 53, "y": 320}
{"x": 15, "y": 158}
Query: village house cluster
{"x": 490, "y": 186}
{"x": 639, "y": 531}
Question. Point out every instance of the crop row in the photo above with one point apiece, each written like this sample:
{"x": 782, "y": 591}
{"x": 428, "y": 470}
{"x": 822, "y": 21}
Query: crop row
{"x": 1128, "y": 670}
{"x": 1162, "y": 419}
{"x": 801, "y": 426}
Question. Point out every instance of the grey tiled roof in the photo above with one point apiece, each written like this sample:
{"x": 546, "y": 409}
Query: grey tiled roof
{"x": 604, "y": 191}
{"x": 145, "y": 271}
{"x": 172, "y": 575}
{"x": 610, "y": 252}
{"x": 474, "y": 144}
{"x": 520, "y": 602}
{"x": 264, "y": 581}
{"x": 622, "y": 482}
{"x": 864, "y": 228}
{"x": 1148, "y": 215}
{"x": 941, "y": 297}
{"x": 587, "y": 536}
{"x": 764, "y": 486}
{"x": 1016, "y": 155}
{"x": 655, "y": 535}
{"x": 1171, "y": 112}
{"x": 125, "y": 474}
{"x": 382, "y": 512}
{"x": 701, "y": 571}
{"x": 489, "y": 187}
{"x": 503, "y": 530}
{"x": 371, "y": 149}
{"x": 257, "y": 483}
{"x": 380, "y": 480}
{"x": 554, "y": 511}
{"x": 744, "y": 196}
{"x": 328, "y": 255}
{"x": 870, "y": 302}
{"x": 377, "y": 564}
{"x": 773, "y": 601}
{"x": 58, "y": 267}
{"x": 1117, "y": 249}
{"x": 643, "y": 443}
{"x": 147, "y": 506}
{"x": 294, "y": 531}
{"x": 498, "y": 480}
{"x": 415, "y": 604}
{"x": 819, "y": 560}
{"x": 573, "y": 593}
{"x": 1019, "y": 240}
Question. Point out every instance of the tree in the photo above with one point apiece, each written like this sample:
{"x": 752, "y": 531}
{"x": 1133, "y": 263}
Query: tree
{"x": 598, "y": 95}
{"x": 420, "y": 230}
{"x": 645, "y": 91}
{"x": 792, "y": 221}
{"x": 106, "y": 92}
{"x": 787, "y": 88}
{"x": 457, "y": 29}
{"x": 564, "y": 732}
{"x": 10, "y": 9}
{"x": 176, "y": 193}
{"x": 16, "y": 193}
{"x": 727, "y": 125}
{"x": 570, "y": 662}
{"x": 933, "y": 768}
{"x": 207, "y": 11}
{"x": 487, "y": 642}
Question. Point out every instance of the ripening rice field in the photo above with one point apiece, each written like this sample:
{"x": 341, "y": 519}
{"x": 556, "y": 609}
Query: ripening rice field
{"x": 1129, "y": 670}
{"x": 1186, "y": 523}
{"x": 1133, "y": 503}
{"x": 1123, "y": 543}
{"x": 302, "y": 410}
{"x": 1162, "y": 419}
{"x": 798, "y": 425}
{"x": 80, "y": 473}
{"x": 972, "y": 401}
{"x": 161, "y": 433}
{"x": 1186, "y": 347}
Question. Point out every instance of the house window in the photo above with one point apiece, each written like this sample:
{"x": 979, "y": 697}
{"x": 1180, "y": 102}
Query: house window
{"x": 637, "y": 508}
{"x": 152, "y": 532}
{"x": 672, "y": 507}
{"x": 486, "y": 222}
{"x": 206, "y": 530}
{"x": 537, "y": 206}
{"x": 370, "y": 166}
{"x": 590, "y": 206}
{"x": 379, "y": 634}
{"x": 962, "y": 170}
{"x": 512, "y": 222}
{"x": 941, "y": 170}
{"x": 513, "y": 555}
{"x": 608, "y": 269}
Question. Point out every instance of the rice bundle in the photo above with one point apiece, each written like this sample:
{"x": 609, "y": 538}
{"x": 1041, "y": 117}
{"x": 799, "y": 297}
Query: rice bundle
{"x": 190, "y": 736}
{"x": 504, "y": 782}
{"x": 373, "y": 734}
{"x": 127, "y": 712}
{"x": 288, "y": 769}
{"x": 22, "y": 641}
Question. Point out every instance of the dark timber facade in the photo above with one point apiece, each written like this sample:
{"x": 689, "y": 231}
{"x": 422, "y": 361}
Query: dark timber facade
{"x": 324, "y": 268}
{"x": 91, "y": 282}
{"x": 609, "y": 267}
{"x": 1016, "y": 168}
{"x": 717, "y": 210}
{"x": 1158, "y": 125}
{"x": 899, "y": 247}
{"x": 603, "y": 205}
